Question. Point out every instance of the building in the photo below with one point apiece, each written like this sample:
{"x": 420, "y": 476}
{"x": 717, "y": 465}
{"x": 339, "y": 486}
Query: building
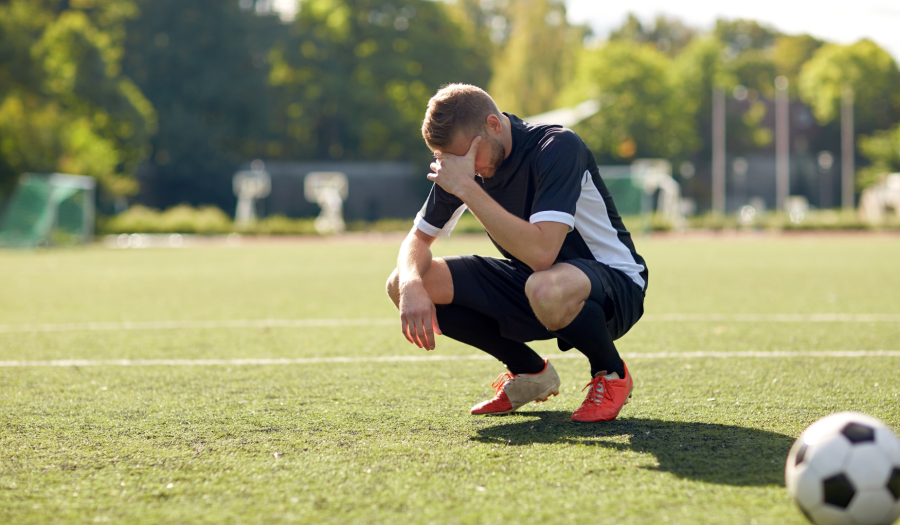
{"x": 376, "y": 190}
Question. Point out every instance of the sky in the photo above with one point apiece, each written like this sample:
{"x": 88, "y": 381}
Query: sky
{"x": 844, "y": 22}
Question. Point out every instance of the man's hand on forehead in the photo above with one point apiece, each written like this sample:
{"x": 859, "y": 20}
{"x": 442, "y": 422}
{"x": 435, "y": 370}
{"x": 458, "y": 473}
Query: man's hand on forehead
{"x": 453, "y": 173}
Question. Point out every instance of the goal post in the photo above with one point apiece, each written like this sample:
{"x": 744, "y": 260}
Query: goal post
{"x": 49, "y": 209}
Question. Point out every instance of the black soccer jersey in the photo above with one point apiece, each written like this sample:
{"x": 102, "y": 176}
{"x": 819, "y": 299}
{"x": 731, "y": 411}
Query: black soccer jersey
{"x": 549, "y": 176}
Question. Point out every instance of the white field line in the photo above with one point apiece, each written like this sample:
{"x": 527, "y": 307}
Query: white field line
{"x": 176, "y": 325}
{"x": 421, "y": 358}
{"x": 777, "y": 318}
{"x": 308, "y": 323}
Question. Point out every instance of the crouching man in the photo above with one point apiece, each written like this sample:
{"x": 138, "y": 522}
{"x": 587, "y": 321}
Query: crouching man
{"x": 570, "y": 271}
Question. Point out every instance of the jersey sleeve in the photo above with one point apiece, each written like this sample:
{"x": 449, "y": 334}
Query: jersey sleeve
{"x": 560, "y": 168}
{"x": 440, "y": 213}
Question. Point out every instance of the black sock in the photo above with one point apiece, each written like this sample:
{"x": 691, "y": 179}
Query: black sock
{"x": 588, "y": 333}
{"x": 472, "y": 328}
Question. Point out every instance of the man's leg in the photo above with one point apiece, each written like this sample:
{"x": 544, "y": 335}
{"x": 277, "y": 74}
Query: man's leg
{"x": 474, "y": 329}
{"x": 564, "y": 300}
{"x": 468, "y": 326}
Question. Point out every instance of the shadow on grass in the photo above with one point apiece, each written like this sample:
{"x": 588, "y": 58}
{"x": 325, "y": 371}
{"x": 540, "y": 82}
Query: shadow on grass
{"x": 709, "y": 452}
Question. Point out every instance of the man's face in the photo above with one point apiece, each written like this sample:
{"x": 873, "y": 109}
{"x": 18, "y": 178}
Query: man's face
{"x": 490, "y": 151}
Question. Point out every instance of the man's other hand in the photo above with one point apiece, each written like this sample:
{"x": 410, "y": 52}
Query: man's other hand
{"x": 418, "y": 316}
{"x": 453, "y": 173}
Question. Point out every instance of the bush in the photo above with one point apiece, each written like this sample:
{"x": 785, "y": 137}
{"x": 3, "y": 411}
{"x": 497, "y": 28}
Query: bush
{"x": 212, "y": 220}
{"x": 381, "y": 226}
{"x": 467, "y": 224}
{"x": 812, "y": 220}
{"x": 179, "y": 219}
{"x": 281, "y": 225}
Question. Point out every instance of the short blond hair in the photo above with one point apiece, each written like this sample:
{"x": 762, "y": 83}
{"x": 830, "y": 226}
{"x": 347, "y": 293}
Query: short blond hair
{"x": 454, "y": 108}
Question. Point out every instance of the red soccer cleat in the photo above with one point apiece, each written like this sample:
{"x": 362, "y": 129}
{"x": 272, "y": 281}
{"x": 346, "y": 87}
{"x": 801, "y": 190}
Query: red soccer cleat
{"x": 606, "y": 397}
{"x": 515, "y": 390}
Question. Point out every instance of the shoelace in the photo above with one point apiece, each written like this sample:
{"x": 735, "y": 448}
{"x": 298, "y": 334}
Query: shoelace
{"x": 501, "y": 381}
{"x": 599, "y": 388}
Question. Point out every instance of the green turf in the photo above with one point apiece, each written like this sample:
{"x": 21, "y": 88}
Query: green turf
{"x": 703, "y": 441}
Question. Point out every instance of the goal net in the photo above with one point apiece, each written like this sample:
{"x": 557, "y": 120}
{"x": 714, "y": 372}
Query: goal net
{"x": 49, "y": 209}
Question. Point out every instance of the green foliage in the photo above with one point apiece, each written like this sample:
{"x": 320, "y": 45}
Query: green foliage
{"x": 743, "y": 34}
{"x": 882, "y": 149}
{"x": 812, "y": 220}
{"x": 202, "y": 220}
{"x": 64, "y": 104}
{"x": 281, "y": 225}
{"x": 868, "y": 69}
{"x": 669, "y": 35}
{"x": 202, "y": 64}
{"x": 755, "y": 70}
{"x": 354, "y": 77}
{"x": 642, "y": 114}
{"x": 537, "y": 59}
{"x": 697, "y": 70}
{"x": 178, "y": 219}
{"x": 790, "y": 53}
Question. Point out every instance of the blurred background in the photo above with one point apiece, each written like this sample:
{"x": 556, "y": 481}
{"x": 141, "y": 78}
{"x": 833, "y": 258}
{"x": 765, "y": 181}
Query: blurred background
{"x": 183, "y": 113}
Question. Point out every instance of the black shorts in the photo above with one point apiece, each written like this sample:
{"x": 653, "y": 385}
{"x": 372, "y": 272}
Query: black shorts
{"x": 496, "y": 288}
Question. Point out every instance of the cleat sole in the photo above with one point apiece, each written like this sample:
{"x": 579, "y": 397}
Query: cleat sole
{"x": 546, "y": 395}
{"x": 494, "y": 413}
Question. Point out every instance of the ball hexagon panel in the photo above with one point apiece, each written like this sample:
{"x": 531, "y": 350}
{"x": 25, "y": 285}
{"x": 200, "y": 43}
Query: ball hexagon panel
{"x": 838, "y": 491}
{"x": 868, "y": 467}
{"x": 871, "y": 507}
{"x": 808, "y": 490}
{"x": 858, "y": 432}
{"x": 828, "y": 455}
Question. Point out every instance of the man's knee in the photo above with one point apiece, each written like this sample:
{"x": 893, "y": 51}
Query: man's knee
{"x": 393, "y": 287}
{"x": 542, "y": 290}
{"x": 556, "y": 295}
{"x": 548, "y": 299}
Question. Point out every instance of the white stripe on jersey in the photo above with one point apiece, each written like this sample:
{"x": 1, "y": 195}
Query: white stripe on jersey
{"x": 593, "y": 224}
{"x": 440, "y": 232}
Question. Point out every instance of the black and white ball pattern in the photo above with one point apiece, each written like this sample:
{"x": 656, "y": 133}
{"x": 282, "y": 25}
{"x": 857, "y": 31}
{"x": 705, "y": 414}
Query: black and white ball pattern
{"x": 845, "y": 470}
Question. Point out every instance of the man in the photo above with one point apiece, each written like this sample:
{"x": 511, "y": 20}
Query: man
{"x": 570, "y": 270}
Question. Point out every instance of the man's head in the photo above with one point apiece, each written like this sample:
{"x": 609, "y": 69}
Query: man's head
{"x": 458, "y": 113}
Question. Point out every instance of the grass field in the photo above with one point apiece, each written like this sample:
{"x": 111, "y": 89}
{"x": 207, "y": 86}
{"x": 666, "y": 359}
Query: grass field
{"x": 719, "y": 397}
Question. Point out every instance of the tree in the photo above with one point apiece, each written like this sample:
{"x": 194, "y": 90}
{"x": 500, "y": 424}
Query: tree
{"x": 354, "y": 76}
{"x": 882, "y": 149}
{"x": 64, "y": 103}
{"x": 790, "y": 53}
{"x": 535, "y": 63}
{"x": 868, "y": 69}
{"x": 669, "y": 35}
{"x": 744, "y": 34}
{"x": 696, "y": 71}
{"x": 641, "y": 112}
{"x": 203, "y": 65}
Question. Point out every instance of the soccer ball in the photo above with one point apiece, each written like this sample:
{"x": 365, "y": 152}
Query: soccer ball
{"x": 845, "y": 470}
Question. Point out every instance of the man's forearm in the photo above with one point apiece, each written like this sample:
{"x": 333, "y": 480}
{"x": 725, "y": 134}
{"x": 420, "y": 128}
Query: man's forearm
{"x": 527, "y": 242}
{"x": 414, "y": 259}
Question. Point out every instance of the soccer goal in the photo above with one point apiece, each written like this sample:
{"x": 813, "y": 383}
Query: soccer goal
{"x": 49, "y": 209}
{"x": 635, "y": 188}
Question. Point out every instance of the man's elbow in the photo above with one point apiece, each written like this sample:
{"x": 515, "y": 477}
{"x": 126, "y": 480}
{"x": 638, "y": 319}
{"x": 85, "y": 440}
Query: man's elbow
{"x": 542, "y": 261}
